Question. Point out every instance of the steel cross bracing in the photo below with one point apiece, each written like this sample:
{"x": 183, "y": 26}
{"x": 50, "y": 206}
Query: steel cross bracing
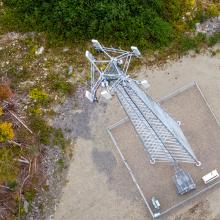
{"x": 160, "y": 134}
{"x": 159, "y": 142}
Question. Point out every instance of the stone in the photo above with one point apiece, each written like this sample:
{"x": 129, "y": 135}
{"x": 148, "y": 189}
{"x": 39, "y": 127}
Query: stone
{"x": 65, "y": 49}
{"x": 208, "y": 27}
{"x": 39, "y": 51}
{"x": 151, "y": 58}
{"x": 26, "y": 205}
{"x": 70, "y": 70}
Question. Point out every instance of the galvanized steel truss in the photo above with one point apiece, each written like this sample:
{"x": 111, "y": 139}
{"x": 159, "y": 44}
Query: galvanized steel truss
{"x": 160, "y": 134}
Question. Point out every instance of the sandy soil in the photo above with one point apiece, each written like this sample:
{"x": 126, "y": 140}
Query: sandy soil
{"x": 98, "y": 186}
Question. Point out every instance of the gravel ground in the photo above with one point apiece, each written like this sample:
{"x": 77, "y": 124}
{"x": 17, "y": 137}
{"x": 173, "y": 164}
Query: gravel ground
{"x": 99, "y": 186}
{"x": 209, "y": 27}
{"x": 203, "y": 134}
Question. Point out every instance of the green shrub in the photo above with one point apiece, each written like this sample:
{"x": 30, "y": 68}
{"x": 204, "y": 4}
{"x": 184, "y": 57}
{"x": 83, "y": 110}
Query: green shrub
{"x": 6, "y": 131}
{"x": 146, "y": 24}
{"x": 212, "y": 11}
{"x": 17, "y": 76}
{"x": 41, "y": 129}
{"x": 62, "y": 86}
{"x": 47, "y": 134}
{"x": 127, "y": 21}
{"x": 59, "y": 84}
{"x": 8, "y": 170}
{"x": 30, "y": 194}
{"x": 189, "y": 43}
{"x": 161, "y": 31}
{"x": 59, "y": 139}
{"x": 12, "y": 184}
{"x": 39, "y": 96}
{"x": 61, "y": 163}
{"x": 214, "y": 39}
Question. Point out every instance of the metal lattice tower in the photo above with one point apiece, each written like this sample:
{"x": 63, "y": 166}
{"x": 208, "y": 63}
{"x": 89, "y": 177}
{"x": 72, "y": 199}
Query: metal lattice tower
{"x": 160, "y": 134}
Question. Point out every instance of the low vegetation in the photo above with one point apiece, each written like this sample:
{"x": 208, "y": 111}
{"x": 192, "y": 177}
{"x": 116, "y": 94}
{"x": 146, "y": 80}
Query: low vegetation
{"x": 6, "y": 131}
{"x": 147, "y": 24}
{"x": 29, "y": 88}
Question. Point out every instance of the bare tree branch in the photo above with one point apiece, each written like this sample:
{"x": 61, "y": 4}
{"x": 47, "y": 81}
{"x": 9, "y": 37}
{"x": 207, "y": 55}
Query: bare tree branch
{"x": 20, "y": 191}
{"x": 14, "y": 142}
{"x": 15, "y": 116}
{"x": 5, "y": 187}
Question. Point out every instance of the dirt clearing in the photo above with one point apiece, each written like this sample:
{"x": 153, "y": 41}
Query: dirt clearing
{"x": 99, "y": 186}
{"x": 202, "y": 132}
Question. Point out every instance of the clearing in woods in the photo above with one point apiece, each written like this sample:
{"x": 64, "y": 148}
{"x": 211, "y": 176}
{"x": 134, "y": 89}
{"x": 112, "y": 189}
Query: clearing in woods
{"x": 99, "y": 186}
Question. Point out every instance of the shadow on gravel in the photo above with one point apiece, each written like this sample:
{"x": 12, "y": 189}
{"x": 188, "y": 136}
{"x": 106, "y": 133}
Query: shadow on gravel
{"x": 104, "y": 161}
{"x": 118, "y": 178}
{"x": 74, "y": 116}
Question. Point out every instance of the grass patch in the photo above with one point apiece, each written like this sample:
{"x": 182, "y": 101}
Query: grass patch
{"x": 59, "y": 138}
{"x": 30, "y": 194}
{"x": 12, "y": 184}
{"x": 8, "y": 170}
{"x": 40, "y": 127}
{"x": 17, "y": 76}
{"x": 58, "y": 83}
{"x": 214, "y": 39}
{"x": 40, "y": 97}
{"x": 47, "y": 134}
{"x": 61, "y": 164}
{"x": 187, "y": 43}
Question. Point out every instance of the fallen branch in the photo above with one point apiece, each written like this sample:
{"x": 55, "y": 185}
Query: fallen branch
{"x": 20, "y": 191}
{"x": 5, "y": 187}
{"x": 35, "y": 165}
{"x": 7, "y": 207}
{"x": 14, "y": 142}
{"x": 22, "y": 161}
{"x": 15, "y": 116}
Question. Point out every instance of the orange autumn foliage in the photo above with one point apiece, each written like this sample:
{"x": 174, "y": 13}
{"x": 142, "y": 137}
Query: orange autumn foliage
{"x": 5, "y": 92}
